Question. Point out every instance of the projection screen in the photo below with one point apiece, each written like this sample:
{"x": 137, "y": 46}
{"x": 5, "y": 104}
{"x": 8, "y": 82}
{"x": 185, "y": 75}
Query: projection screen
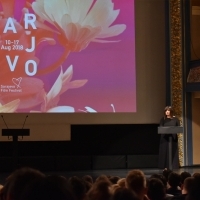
{"x": 83, "y": 61}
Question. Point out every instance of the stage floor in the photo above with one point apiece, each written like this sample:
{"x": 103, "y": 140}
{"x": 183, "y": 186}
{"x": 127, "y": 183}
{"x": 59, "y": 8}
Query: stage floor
{"x": 111, "y": 172}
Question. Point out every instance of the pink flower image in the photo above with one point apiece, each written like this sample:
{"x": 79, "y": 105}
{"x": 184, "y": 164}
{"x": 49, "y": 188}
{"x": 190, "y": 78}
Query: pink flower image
{"x": 68, "y": 55}
{"x": 61, "y": 85}
{"x": 79, "y": 22}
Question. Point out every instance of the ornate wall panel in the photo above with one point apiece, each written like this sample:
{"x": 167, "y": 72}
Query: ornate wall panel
{"x": 175, "y": 28}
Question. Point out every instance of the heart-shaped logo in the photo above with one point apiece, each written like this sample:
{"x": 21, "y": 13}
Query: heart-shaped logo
{"x": 17, "y": 81}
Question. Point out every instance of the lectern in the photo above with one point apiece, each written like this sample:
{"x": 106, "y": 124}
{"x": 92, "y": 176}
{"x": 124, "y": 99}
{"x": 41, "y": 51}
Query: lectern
{"x": 14, "y": 133}
{"x": 170, "y": 130}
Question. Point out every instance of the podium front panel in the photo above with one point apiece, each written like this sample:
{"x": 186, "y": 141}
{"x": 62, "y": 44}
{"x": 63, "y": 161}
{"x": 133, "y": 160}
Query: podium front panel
{"x": 170, "y": 129}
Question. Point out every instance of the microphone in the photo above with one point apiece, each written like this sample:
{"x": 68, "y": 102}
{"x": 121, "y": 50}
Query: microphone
{"x": 24, "y": 121}
{"x": 5, "y": 124}
{"x": 4, "y": 121}
{"x": 24, "y": 124}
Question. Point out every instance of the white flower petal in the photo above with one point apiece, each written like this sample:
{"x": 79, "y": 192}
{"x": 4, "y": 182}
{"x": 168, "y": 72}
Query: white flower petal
{"x": 68, "y": 74}
{"x": 91, "y": 110}
{"x": 66, "y": 109}
{"x": 38, "y": 8}
{"x": 82, "y": 9}
{"x": 99, "y": 13}
{"x": 112, "y": 31}
{"x": 105, "y": 41}
{"x": 55, "y": 10}
{"x": 55, "y": 88}
{"x": 10, "y": 107}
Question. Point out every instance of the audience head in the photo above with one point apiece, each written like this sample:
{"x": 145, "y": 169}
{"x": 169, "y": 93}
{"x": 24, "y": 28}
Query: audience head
{"x": 101, "y": 190}
{"x": 136, "y": 181}
{"x": 102, "y": 178}
{"x": 174, "y": 179}
{"x": 196, "y": 175}
{"x": 155, "y": 189}
{"x": 114, "y": 179}
{"x": 184, "y": 175}
{"x": 166, "y": 173}
{"x": 115, "y": 187}
{"x": 21, "y": 183}
{"x": 187, "y": 184}
{"x": 88, "y": 178}
{"x": 122, "y": 182}
{"x": 53, "y": 187}
{"x": 1, "y": 186}
{"x": 194, "y": 189}
{"x": 160, "y": 177}
{"x": 124, "y": 194}
{"x": 78, "y": 187}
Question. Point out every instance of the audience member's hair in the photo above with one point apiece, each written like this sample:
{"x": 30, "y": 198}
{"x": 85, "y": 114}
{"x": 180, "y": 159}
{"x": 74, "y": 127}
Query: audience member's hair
{"x": 88, "y": 178}
{"x": 155, "y": 189}
{"x": 124, "y": 194}
{"x": 174, "y": 179}
{"x": 21, "y": 183}
{"x": 194, "y": 189}
{"x": 114, "y": 179}
{"x": 31, "y": 184}
{"x": 160, "y": 177}
{"x": 122, "y": 182}
{"x": 53, "y": 187}
{"x": 78, "y": 187}
{"x": 166, "y": 173}
{"x": 196, "y": 174}
{"x": 102, "y": 178}
{"x": 136, "y": 181}
{"x": 184, "y": 175}
{"x": 1, "y": 186}
{"x": 88, "y": 186}
{"x": 187, "y": 185}
{"x": 115, "y": 187}
{"x": 101, "y": 190}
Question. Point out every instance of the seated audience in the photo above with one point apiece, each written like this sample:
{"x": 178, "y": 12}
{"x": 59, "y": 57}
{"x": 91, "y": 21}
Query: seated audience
{"x": 31, "y": 184}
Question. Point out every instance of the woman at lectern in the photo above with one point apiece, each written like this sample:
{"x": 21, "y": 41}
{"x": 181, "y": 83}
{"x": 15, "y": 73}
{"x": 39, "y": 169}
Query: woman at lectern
{"x": 168, "y": 120}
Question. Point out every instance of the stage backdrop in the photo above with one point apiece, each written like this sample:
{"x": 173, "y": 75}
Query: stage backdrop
{"x": 104, "y": 65}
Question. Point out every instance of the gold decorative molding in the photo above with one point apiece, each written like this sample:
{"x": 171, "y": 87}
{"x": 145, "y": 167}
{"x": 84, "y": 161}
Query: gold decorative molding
{"x": 175, "y": 28}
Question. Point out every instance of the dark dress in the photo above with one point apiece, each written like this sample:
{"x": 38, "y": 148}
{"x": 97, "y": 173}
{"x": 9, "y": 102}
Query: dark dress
{"x": 163, "y": 149}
